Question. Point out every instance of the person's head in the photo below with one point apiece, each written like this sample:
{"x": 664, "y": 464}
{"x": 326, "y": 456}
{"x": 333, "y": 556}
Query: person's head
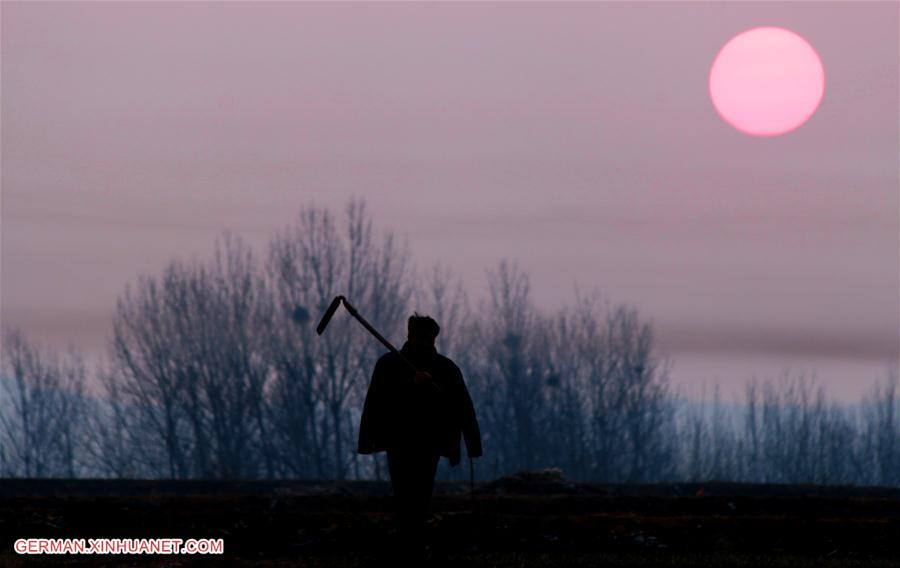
{"x": 422, "y": 330}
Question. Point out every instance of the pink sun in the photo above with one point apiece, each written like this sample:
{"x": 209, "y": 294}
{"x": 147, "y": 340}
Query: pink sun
{"x": 766, "y": 81}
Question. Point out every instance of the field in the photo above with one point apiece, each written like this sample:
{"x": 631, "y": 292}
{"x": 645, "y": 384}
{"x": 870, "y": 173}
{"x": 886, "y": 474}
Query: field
{"x": 521, "y": 521}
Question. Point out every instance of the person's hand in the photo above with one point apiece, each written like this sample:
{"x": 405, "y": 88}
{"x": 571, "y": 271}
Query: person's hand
{"x": 422, "y": 378}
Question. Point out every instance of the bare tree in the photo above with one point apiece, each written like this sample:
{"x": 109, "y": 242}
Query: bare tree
{"x": 794, "y": 434}
{"x": 507, "y": 364}
{"x": 120, "y": 445}
{"x": 570, "y": 335}
{"x": 709, "y": 437}
{"x": 187, "y": 348}
{"x": 578, "y": 389}
{"x": 638, "y": 397}
{"x": 882, "y": 429}
{"x": 42, "y": 418}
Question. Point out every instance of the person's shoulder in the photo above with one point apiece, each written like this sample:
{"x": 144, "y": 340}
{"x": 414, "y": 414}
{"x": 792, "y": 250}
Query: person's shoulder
{"x": 448, "y": 364}
{"x": 387, "y": 359}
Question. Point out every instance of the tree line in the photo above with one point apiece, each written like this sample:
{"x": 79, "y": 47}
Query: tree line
{"x": 213, "y": 370}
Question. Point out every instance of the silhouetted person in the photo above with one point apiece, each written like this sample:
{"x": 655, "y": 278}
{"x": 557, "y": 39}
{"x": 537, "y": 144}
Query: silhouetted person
{"x": 417, "y": 418}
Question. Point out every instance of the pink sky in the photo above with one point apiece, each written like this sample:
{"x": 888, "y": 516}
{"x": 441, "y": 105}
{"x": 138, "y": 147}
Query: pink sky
{"x": 578, "y": 139}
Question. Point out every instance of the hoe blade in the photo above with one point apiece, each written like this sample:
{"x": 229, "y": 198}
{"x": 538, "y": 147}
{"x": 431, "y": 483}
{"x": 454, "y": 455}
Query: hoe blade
{"x": 328, "y": 313}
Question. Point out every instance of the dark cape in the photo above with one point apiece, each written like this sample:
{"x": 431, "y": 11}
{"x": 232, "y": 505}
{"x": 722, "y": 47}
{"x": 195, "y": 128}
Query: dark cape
{"x": 433, "y": 416}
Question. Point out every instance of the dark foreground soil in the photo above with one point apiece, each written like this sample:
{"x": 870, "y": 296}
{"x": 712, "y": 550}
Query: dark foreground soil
{"x": 350, "y": 524}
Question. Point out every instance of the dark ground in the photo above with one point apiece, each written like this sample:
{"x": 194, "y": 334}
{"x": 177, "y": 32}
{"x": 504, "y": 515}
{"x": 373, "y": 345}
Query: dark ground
{"x": 525, "y": 521}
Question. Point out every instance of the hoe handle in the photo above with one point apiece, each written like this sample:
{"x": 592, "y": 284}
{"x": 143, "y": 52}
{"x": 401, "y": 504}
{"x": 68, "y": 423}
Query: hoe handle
{"x": 378, "y": 336}
{"x": 338, "y": 300}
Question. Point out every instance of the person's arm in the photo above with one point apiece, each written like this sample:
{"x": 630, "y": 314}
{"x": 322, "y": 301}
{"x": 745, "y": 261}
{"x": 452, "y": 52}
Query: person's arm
{"x": 471, "y": 431}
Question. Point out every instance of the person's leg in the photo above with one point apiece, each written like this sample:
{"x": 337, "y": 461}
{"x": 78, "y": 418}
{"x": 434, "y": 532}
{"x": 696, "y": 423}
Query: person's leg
{"x": 397, "y": 472}
{"x": 406, "y": 475}
{"x": 426, "y": 468}
{"x": 403, "y": 483}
